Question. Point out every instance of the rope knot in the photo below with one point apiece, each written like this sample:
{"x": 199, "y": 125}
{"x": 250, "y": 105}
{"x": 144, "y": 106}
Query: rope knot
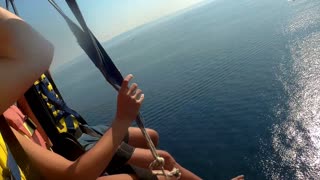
{"x": 175, "y": 173}
{"x": 158, "y": 162}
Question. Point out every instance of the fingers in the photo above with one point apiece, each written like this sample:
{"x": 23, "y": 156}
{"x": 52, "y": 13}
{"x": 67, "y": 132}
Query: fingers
{"x": 132, "y": 89}
{"x": 136, "y": 94}
{"x": 125, "y": 82}
{"x": 141, "y": 99}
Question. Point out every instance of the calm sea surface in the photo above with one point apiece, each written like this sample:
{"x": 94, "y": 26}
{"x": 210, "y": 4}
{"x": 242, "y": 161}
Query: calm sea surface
{"x": 233, "y": 87}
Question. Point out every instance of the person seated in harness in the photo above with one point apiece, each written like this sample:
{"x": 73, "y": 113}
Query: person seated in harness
{"x": 132, "y": 150}
{"x": 133, "y": 153}
{"x": 18, "y": 59}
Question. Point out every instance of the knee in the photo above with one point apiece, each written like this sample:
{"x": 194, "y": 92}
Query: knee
{"x": 154, "y": 136}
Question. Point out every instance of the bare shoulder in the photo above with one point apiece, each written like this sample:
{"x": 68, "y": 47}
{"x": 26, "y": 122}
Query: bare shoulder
{"x": 6, "y": 28}
{"x": 24, "y": 55}
{"x": 5, "y": 15}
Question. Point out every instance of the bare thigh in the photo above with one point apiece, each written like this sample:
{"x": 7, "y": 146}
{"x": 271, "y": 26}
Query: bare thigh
{"x": 118, "y": 177}
{"x": 130, "y": 177}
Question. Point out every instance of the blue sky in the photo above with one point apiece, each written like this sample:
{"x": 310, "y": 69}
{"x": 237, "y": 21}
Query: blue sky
{"x": 106, "y": 18}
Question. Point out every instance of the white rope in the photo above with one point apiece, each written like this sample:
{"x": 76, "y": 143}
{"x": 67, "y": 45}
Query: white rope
{"x": 175, "y": 172}
{"x": 159, "y": 161}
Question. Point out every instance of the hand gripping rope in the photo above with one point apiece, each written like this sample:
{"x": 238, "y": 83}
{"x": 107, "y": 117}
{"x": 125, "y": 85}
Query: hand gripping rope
{"x": 104, "y": 63}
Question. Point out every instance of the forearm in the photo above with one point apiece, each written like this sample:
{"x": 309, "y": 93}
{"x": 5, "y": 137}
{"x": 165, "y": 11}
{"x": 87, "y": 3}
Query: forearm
{"x": 96, "y": 160}
{"x": 89, "y": 166}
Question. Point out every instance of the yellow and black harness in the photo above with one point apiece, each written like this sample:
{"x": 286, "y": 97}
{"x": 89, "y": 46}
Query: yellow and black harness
{"x": 66, "y": 119}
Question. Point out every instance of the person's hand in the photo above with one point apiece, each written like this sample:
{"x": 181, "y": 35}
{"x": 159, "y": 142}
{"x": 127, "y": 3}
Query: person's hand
{"x": 129, "y": 100}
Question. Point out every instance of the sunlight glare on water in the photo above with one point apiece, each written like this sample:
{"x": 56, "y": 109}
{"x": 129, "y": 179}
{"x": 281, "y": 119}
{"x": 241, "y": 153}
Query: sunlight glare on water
{"x": 296, "y": 140}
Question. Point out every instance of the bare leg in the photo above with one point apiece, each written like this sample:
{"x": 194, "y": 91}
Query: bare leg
{"x": 136, "y": 138}
{"x": 143, "y": 157}
{"x": 118, "y": 177}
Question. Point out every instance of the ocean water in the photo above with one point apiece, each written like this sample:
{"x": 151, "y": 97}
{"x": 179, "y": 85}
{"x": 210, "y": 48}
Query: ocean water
{"x": 232, "y": 87}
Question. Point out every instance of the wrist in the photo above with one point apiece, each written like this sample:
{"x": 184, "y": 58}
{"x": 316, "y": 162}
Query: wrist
{"x": 122, "y": 118}
{"x": 122, "y": 121}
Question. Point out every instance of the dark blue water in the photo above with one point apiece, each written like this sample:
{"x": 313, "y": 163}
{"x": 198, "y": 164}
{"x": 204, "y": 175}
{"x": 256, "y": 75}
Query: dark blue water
{"x": 221, "y": 84}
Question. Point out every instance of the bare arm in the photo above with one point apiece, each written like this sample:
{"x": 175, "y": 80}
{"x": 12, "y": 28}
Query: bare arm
{"x": 87, "y": 167}
{"x": 92, "y": 163}
{"x": 24, "y": 55}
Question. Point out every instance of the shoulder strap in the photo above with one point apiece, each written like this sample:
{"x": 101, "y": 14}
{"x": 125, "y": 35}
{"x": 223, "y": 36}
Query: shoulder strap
{"x": 17, "y": 151}
{"x": 14, "y": 171}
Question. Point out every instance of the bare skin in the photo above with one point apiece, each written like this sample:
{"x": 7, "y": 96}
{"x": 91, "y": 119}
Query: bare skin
{"x": 89, "y": 165}
{"x": 143, "y": 157}
{"x": 136, "y": 139}
{"x": 240, "y": 177}
{"x": 24, "y": 56}
{"x": 22, "y": 51}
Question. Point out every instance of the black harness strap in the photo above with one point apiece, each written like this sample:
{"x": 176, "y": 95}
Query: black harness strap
{"x": 95, "y": 51}
{"x": 12, "y": 5}
{"x": 18, "y": 152}
{"x": 63, "y": 143}
{"x": 91, "y": 46}
{"x": 110, "y": 72}
{"x": 107, "y": 67}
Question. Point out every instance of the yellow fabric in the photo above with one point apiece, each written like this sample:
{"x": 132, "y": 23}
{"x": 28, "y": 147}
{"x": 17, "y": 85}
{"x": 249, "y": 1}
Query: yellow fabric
{"x": 3, "y": 159}
{"x": 63, "y": 127}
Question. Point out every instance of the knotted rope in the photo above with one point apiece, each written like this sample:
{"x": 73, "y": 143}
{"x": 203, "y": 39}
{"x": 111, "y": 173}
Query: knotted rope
{"x": 159, "y": 161}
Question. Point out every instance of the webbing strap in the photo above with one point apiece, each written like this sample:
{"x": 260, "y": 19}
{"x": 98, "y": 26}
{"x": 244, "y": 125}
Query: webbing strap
{"x": 76, "y": 11}
{"x": 13, "y": 166}
{"x": 91, "y": 46}
{"x": 52, "y": 108}
{"x": 104, "y": 63}
{"x": 7, "y": 4}
{"x": 12, "y": 5}
{"x": 39, "y": 108}
{"x": 59, "y": 103}
{"x": 17, "y": 151}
